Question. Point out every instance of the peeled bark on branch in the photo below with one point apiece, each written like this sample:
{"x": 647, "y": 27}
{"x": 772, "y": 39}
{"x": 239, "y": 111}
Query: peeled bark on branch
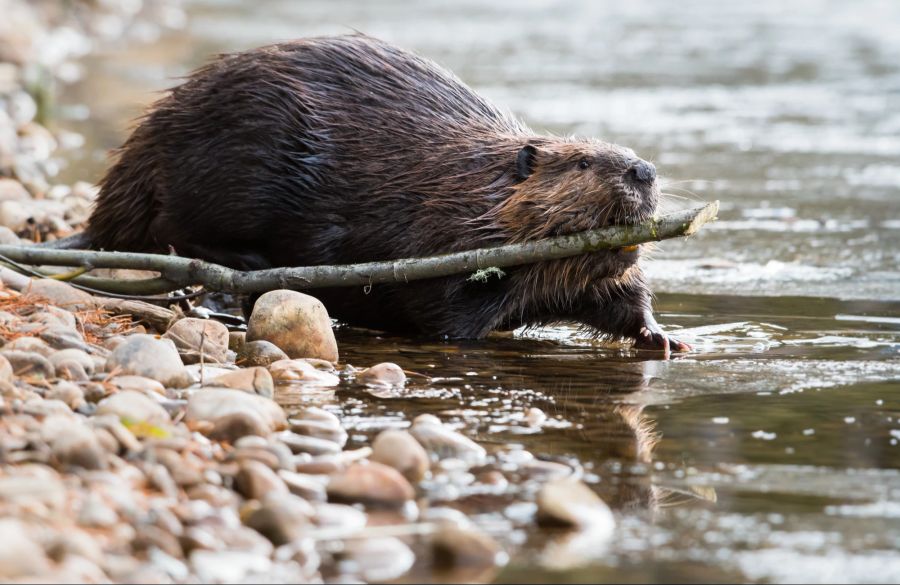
{"x": 177, "y": 272}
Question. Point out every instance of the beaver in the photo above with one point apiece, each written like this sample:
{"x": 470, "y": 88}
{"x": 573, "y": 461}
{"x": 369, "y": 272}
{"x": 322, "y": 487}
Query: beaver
{"x": 346, "y": 149}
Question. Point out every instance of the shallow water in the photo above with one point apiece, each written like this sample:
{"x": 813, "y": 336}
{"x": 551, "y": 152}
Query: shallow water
{"x": 771, "y": 453}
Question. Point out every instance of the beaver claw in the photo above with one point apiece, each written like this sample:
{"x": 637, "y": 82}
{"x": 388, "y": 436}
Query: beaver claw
{"x": 659, "y": 341}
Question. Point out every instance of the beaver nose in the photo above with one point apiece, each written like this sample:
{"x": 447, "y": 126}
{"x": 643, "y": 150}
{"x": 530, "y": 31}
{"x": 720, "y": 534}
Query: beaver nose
{"x": 642, "y": 171}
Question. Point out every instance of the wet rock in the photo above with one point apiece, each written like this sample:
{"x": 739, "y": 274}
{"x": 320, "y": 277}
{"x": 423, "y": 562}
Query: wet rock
{"x": 60, "y": 294}
{"x": 308, "y": 487}
{"x": 371, "y": 483}
{"x": 467, "y": 551}
{"x": 320, "y": 429}
{"x": 257, "y": 380}
{"x": 202, "y": 374}
{"x": 569, "y": 502}
{"x": 236, "y": 339}
{"x": 377, "y": 560}
{"x": 144, "y": 355}
{"x": 401, "y": 451}
{"x": 29, "y": 364}
{"x": 281, "y": 517}
{"x": 545, "y": 470}
{"x": 67, "y": 392}
{"x": 232, "y": 427}
{"x": 384, "y": 374}
{"x": 340, "y": 519}
{"x": 535, "y": 417}
{"x": 206, "y": 408}
{"x": 255, "y": 480}
{"x": 135, "y": 408}
{"x": 138, "y": 384}
{"x": 443, "y": 442}
{"x": 190, "y": 334}
{"x": 74, "y": 355}
{"x": 295, "y": 322}
{"x": 312, "y": 445}
{"x": 299, "y": 370}
{"x": 20, "y": 556}
{"x": 259, "y": 353}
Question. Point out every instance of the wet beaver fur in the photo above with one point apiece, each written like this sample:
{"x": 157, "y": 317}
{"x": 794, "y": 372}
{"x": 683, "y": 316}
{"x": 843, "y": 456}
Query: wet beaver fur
{"x": 347, "y": 149}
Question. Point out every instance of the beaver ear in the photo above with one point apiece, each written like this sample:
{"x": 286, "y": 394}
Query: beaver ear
{"x": 525, "y": 161}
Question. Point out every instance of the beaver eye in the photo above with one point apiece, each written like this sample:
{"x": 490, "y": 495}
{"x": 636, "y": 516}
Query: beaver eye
{"x": 584, "y": 164}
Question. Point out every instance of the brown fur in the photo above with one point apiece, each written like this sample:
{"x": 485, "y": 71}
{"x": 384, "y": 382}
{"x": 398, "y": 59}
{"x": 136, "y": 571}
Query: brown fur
{"x": 346, "y": 149}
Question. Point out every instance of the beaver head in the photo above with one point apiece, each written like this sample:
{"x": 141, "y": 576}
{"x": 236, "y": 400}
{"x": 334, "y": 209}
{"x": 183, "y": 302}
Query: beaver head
{"x": 567, "y": 186}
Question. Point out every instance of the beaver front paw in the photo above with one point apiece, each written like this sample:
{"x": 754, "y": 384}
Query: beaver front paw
{"x": 656, "y": 340}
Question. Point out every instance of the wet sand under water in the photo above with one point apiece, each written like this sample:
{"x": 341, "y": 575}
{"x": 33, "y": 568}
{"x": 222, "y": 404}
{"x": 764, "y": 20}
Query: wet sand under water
{"x": 771, "y": 453}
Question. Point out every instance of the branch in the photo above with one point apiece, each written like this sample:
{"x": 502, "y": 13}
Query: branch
{"x": 177, "y": 272}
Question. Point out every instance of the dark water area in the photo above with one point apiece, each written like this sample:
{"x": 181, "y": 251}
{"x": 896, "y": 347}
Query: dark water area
{"x": 772, "y": 452}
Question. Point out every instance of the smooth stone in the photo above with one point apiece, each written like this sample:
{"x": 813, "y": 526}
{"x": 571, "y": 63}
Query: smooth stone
{"x": 320, "y": 429}
{"x": 52, "y": 316}
{"x": 210, "y": 405}
{"x": 30, "y": 344}
{"x": 371, "y": 483}
{"x": 465, "y": 548}
{"x": 340, "y": 517}
{"x": 236, "y": 339}
{"x": 134, "y": 407}
{"x": 202, "y": 374}
{"x": 60, "y": 294}
{"x": 189, "y": 334}
{"x": 232, "y": 427}
{"x": 126, "y": 440}
{"x": 12, "y": 190}
{"x": 67, "y": 392}
{"x": 383, "y": 374}
{"x": 317, "y": 414}
{"x": 259, "y": 353}
{"x": 20, "y": 556}
{"x": 443, "y": 442}
{"x": 254, "y": 480}
{"x": 569, "y": 502}
{"x": 140, "y": 384}
{"x": 27, "y": 363}
{"x": 230, "y": 566}
{"x": 312, "y": 445}
{"x": 76, "y": 446}
{"x": 401, "y": 451}
{"x": 97, "y": 513}
{"x": 46, "y": 489}
{"x": 281, "y": 517}
{"x": 309, "y": 487}
{"x": 300, "y": 370}
{"x": 144, "y": 355}
{"x": 64, "y": 338}
{"x": 295, "y": 322}
{"x": 6, "y": 370}
{"x": 377, "y": 560}
{"x": 76, "y": 355}
{"x": 257, "y": 380}
{"x": 71, "y": 370}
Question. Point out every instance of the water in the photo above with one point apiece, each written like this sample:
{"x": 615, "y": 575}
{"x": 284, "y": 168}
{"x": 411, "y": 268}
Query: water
{"x": 772, "y": 453}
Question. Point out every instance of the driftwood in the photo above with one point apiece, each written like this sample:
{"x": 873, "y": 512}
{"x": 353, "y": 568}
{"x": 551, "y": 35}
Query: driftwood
{"x": 177, "y": 272}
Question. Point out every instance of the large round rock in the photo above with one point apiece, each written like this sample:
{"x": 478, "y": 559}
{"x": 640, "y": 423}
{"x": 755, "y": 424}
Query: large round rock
{"x": 144, "y": 355}
{"x": 295, "y": 322}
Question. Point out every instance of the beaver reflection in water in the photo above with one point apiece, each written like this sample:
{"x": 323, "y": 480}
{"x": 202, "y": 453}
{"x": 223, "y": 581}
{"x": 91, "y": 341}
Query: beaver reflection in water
{"x": 338, "y": 150}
